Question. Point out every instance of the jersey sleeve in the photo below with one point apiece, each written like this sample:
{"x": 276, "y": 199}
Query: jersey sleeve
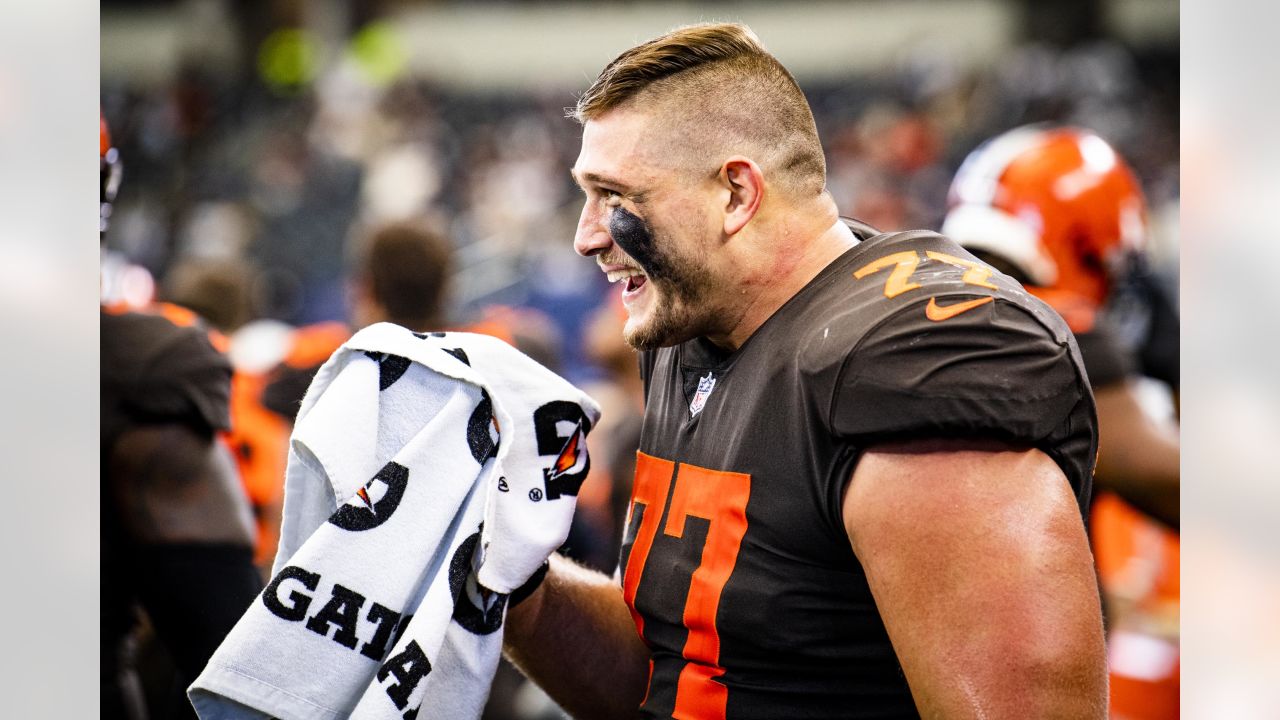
{"x": 997, "y": 371}
{"x": 186, "y": 380}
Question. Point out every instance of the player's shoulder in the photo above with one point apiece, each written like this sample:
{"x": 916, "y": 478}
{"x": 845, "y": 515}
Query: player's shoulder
{"x": 931, "y": 337}
{"x": 164, "y": 366}
{"x": 923, "y": 339}
{"x": 895, "y": 271}
{"x": 919, "y": 287}
{"x": 160, "y": 337}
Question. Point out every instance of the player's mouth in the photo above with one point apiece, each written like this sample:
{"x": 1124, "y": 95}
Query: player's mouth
{"x": 632, "y": 279}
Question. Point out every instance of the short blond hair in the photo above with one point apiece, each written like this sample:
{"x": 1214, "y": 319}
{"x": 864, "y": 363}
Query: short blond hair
{"x": 720, "y": 77}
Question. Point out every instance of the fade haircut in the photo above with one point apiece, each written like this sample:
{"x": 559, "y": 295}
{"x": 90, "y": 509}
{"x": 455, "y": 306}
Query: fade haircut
{"x": 716, "y": 87}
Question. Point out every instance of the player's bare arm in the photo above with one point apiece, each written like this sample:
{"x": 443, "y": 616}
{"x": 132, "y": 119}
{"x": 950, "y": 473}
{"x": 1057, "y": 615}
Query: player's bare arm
{"x": 1139, "y": 458}
{"x": 575, "y": 637}
{"x": 978, "y": 561}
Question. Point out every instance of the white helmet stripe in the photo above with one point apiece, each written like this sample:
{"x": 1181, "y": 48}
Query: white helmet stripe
{"x": 979, "y": 174}
{"x": 982, "y": 227}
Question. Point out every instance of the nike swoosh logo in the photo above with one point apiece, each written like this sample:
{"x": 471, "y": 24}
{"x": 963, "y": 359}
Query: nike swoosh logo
{"x": 938, "y": 313}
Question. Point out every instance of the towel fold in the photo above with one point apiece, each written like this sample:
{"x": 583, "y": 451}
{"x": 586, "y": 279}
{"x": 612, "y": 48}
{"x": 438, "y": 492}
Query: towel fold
{"x": 429, "y": 475}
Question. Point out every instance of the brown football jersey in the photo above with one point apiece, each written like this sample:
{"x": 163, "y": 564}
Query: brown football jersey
{"x": 735, "y": 560}
{"x": 154, "y": 371}
{"x": 157, "y": 370}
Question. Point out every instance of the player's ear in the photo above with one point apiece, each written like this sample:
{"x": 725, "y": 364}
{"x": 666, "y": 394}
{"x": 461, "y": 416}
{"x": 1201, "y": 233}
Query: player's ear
{"x": 741, "y": 176}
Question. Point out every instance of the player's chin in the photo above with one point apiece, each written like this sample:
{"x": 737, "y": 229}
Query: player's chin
{"x": 644, "y": 330}
{"x": 656, "y": 326}
{"x": 637, "y": 331}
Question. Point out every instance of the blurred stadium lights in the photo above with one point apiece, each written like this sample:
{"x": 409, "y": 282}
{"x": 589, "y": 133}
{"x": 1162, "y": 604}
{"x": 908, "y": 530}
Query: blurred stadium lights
{"x": 515, "y": 45}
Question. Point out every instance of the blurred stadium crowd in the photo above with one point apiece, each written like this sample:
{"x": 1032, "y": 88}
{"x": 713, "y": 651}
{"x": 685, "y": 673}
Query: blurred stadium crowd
{"x": 253, "y": 199}
{"x": 258, "y": 187}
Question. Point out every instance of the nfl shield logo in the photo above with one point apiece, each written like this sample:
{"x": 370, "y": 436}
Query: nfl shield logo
{"x": 705, "y": 386}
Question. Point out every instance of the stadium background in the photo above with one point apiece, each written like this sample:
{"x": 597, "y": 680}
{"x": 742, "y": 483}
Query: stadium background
{"x": 261, "y": 138}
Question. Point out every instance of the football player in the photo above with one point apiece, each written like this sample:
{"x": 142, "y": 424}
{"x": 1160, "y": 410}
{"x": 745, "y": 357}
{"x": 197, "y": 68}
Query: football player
{"x": 865, "y": 456}
{"x": 177, "y": 535}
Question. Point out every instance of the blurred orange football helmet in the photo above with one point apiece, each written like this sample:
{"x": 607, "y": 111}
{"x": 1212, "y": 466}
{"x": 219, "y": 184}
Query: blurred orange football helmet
{"x": 1058, "y": 204}
{"x": 109, "y": 167}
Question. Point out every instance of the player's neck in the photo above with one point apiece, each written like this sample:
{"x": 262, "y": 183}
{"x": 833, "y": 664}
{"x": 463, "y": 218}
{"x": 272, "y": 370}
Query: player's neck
{"x": 788, "y": 260}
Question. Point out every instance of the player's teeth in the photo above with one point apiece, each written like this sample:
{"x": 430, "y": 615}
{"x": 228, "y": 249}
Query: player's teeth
{"x": 616, "y": 275}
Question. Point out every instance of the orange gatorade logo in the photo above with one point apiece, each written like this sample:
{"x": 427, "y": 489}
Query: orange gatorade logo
{"x": 569, "y": 458}
{"x": 561, "y": 428}
{"x": 938, "y": 313}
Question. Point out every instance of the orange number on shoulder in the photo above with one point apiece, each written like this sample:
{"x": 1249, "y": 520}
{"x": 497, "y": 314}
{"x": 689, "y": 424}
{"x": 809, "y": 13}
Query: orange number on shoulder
{"x": 905, "y": 263}
{"x": 976, "y": 273}
{"x": 720, "y": 498}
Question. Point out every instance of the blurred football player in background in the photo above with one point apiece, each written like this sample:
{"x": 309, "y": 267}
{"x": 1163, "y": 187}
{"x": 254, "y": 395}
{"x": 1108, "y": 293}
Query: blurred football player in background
{"x": 1061, "y": 211}
{"x": 220, "y": 292}
{"x": 177, "y": 534}
{"x": 400, "y": 273}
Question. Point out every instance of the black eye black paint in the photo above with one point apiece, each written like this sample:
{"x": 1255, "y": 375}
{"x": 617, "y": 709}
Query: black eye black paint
{"x": 634, "y": 237}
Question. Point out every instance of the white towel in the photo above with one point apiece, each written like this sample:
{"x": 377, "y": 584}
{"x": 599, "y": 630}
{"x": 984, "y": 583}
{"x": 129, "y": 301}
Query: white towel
{"x": 389, "y": 593}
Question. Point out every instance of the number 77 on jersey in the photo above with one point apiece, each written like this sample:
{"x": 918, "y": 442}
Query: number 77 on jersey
{"x": 720, "y": 498}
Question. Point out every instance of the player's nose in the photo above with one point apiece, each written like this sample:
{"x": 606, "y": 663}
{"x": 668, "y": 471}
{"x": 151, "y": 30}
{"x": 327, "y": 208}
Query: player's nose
{"x": 592, "y": 236}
